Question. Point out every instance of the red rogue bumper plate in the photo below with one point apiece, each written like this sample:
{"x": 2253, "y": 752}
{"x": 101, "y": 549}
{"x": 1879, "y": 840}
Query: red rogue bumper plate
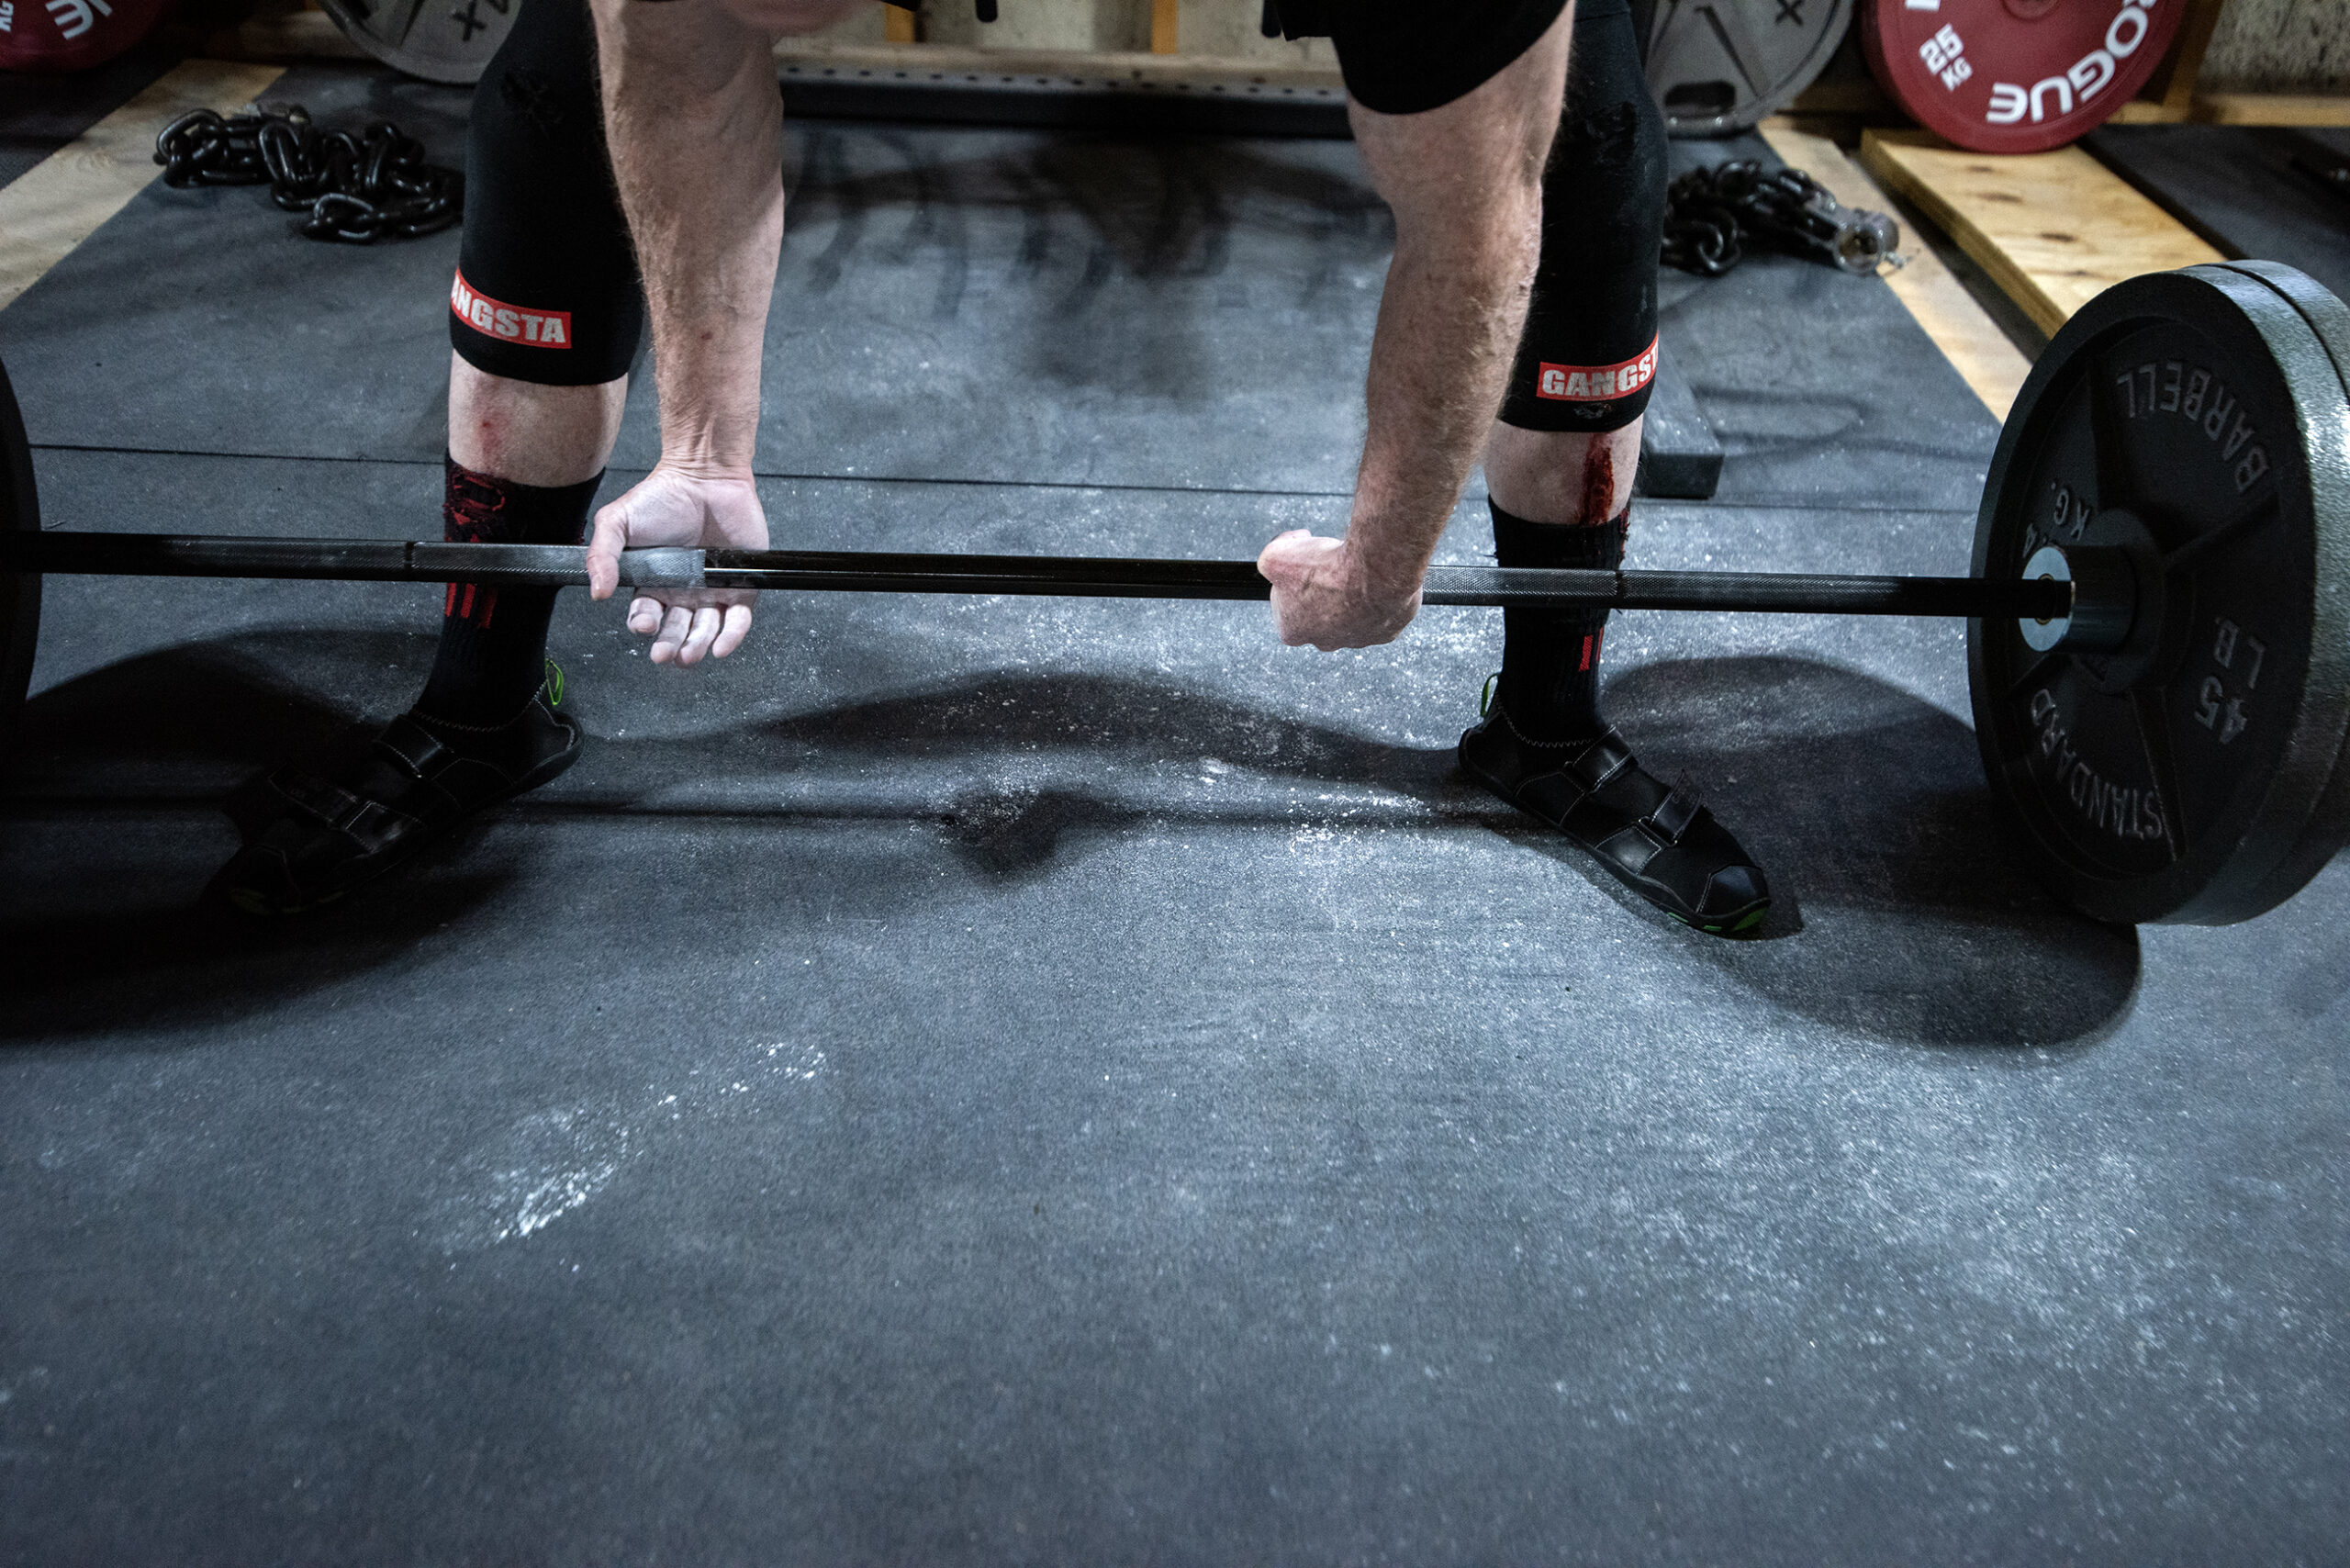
{"x": 2015, "y": 75}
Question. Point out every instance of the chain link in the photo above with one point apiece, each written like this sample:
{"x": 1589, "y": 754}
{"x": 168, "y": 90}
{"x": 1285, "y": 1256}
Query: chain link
{"x": 1709, "y": 213}
{"x": 354, "y": 189}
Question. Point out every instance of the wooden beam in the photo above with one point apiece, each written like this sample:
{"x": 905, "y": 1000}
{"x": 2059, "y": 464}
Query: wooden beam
{"x": 60, "y": 201}
{"x": 1983, "y": 355}
{"x": 2272, "y": 108}
{"x": 2145, "y": 111}
{"x": 312, "y": 35}
{"x": 2054, "y": 230}
{"x": 897, "y": 25}
{"x": 2173, "y": 82}
{"x": 1163, "y": 26}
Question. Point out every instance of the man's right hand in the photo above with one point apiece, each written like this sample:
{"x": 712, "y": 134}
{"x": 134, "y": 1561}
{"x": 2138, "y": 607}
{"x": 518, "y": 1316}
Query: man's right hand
{"x": 1321, "y": 595}
{"x": 675, "y": 507}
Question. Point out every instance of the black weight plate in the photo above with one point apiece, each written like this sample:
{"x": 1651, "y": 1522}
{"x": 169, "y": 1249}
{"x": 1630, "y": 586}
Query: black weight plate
{"x": 2329, "y": 828}
{"x": 1718, "y": 67}
{"x": 439, "y": 40}
{"x": 19, "y": 593}
{"x": 2197, "y": 420}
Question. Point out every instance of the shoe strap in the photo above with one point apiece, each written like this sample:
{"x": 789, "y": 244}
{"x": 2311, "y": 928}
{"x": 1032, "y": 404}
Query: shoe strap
{"x": 409, "y": 746}
{"x": 1599, "y": 762}
{"x": 1608, "y": 759}
{"x": 1672, "y": 816}
{"x": 370, "y": 824}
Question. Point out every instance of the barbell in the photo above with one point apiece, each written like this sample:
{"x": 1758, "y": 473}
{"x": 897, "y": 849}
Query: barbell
{"x": 2159, "y": 642}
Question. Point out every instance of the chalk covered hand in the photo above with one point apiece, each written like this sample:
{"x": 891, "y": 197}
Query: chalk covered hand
{"x": 1325, "y": 595}
{"x": 676, "y": 507}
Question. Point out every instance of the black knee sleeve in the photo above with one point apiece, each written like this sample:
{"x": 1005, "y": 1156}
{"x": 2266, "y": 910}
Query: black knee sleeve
{"x": 547, "y": 288}
{"x": 1588, "y": 354}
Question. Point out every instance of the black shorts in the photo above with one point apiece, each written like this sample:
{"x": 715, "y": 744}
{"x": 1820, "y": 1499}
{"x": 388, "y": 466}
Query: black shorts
{"x": 1402, "y": 57}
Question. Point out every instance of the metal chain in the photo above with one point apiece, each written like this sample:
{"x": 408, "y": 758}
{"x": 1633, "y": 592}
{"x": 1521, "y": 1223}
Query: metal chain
{"x": 1711, "y": 213}
{"x": 354, "y": 189}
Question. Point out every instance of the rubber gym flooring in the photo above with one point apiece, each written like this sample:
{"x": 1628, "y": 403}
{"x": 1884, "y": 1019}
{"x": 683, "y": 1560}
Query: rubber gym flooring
{"x": 1051, "y": 1081}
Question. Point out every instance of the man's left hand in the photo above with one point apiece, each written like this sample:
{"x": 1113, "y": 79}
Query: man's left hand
{"x": 1323, "y": 595}
{"x": 674, "y": 506}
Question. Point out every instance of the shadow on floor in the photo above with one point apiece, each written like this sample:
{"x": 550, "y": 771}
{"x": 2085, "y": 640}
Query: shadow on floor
{"x": 1918, "y": 915}
{"x": 1904, "y": 913}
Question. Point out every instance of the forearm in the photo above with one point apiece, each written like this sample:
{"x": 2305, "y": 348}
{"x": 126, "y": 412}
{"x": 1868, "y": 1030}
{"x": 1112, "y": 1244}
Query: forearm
{"x": 695, "y": 125}
{"x": 1464, "y": 182}
{"x": 1448, "y": 326}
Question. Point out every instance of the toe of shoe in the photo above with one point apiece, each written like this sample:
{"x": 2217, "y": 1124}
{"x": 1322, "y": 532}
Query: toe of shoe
{"x": 291, "y": 867}
{"x": 257, "y": 880}
{"x": 1734, "y": 893}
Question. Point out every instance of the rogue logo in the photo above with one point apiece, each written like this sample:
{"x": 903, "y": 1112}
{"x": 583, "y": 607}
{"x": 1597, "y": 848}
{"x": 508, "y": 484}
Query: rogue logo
{"x": 511, "y": 323}
{"x": 2086, "y": 76}
{"x": 1597, "y": 382}
{"x": 74, "y": 17}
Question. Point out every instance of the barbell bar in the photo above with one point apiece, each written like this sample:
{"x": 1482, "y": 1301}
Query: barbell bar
{"x": 2158, "y": 613}
{"x": 2046, "y": 599}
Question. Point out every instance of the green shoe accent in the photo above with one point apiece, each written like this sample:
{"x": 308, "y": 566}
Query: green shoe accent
{"x": 554, "y": 684}
{"x": 1485, "y": 697}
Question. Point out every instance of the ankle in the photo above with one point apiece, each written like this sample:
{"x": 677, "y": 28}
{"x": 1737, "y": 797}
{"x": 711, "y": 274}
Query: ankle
{"x": 493, "y": 641}
{"x": 1538, "y": 718}
{"x": 1549, "y": 683}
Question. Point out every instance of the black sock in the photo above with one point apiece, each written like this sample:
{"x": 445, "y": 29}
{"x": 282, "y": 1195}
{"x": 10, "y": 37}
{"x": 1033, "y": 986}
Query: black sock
{"x": 494, "y": 639}
{"x": 1550, "y": 685}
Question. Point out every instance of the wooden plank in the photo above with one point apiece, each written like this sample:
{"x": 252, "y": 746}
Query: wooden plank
{"x": 1984, "y": 356}
{"x": 2054, "y": 230}
{"x": 897, "y": 25}
{"x": 1164, "y": 26}
{"x": 59, "y": 202}
{"x": 312, "y": 35}
{"x": 2273, "y": 108}
{"x": 2172, "y": 86}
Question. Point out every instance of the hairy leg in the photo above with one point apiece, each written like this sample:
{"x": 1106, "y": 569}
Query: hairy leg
{"x": 1562, "y": 477}
{"x": 528, "y": 433}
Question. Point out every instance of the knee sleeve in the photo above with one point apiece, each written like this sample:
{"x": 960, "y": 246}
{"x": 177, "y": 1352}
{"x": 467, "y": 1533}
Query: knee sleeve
{"x": 547, "y": 288}
{"x": 1588, "y": 354}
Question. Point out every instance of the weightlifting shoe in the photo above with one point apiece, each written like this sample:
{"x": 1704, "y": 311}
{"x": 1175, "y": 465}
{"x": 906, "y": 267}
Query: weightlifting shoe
{"x": 1657, "y": 841}
{"x": 419, "y": 779}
